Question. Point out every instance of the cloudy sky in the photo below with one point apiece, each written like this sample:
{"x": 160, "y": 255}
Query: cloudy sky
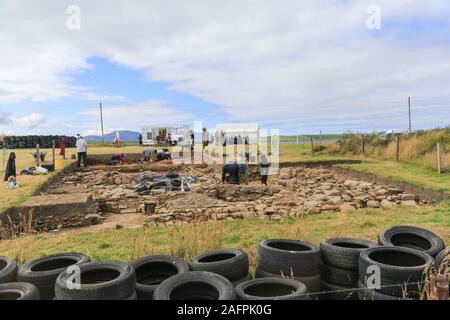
{"x": 299, "y": 66}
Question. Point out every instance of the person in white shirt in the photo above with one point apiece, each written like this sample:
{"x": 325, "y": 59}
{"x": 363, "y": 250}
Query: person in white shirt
{"x": 82, "y": 152}
{"x": 205, "y": 137}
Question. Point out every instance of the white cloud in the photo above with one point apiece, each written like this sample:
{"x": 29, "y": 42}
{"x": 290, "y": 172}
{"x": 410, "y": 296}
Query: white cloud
{"x": 137, "y": 115}
{"x": 267, "y": 61}
{"x": 30, "y": 121}
{"x": 5, "y": 117}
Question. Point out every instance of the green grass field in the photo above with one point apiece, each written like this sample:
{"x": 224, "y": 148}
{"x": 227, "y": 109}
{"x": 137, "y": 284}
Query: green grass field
{"x": 189, "y": 240}
{"x": 404, "y": 172}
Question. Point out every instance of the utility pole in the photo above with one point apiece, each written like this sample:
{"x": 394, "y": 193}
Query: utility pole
{"x": 101, "y": 119}
{"x": 409, "y": 113}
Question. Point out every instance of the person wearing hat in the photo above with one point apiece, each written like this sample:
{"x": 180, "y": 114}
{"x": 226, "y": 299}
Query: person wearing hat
{"x": 82, "y": 151}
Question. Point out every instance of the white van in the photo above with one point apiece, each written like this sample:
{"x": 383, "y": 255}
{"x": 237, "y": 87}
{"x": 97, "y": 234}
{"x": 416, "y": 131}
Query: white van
{"x": 166, "y": 135}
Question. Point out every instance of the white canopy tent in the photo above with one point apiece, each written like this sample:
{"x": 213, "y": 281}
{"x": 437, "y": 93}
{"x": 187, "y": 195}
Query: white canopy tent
{"x": 250, "y": 129}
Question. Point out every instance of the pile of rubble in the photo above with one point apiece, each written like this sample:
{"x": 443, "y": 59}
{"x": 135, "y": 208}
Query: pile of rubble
{"x": 292, "y": 192}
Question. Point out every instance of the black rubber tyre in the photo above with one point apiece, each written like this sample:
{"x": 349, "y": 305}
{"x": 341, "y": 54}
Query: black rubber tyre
{"x": 344, "y": 253}
{"x": 8, "y": 270}
{"x": 246, "y": 278}
{"x": 290, "y": 257}
{"x": 412, "y": 237}
{"x": 100, "y": 280}
{"x": 401, "y": 269}
{"x": 339, "y": 277}
{"x": 195, "y": 285}
{"x": 134, "y": 296}
{"x": 441, "y": 256}
{"x": 152, "y": 270}
{"x": 272, "y": 289}
{"x": 334, "y": 292}
{"x": 229, "y": 263}
{"x": 313, "y": 283}
{"x": 43, "y": 271}
{"x": 370, "y": 294}
{"x": 172, "y": 175}
{"x": 18, "y": 291}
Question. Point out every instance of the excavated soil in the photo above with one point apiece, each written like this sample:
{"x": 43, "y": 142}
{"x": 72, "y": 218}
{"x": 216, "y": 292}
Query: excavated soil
{"x": 296, "y": 189}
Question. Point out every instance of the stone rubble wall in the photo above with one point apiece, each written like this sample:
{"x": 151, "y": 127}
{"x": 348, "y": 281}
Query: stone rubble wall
{"x": 292, "y": 192}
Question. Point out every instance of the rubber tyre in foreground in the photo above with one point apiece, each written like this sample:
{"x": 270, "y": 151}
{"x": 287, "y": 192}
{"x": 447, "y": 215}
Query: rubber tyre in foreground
{"x": 334, "y": 292}
{"x": 42, "y": 272}
{"x": 401, "y": 269}
{"x": 343, "y": 253}
{"x": 441, "y": 256}
{"x": 195, "y": 285}
{"x": 8, "y": 270}
{"x": 412, "y": 237}
{"x": 100, "y": 280}
{"x": 313, "y": 283}
{"x": 339, "y": 277}
{"x": 246, "y": 278}
{"x": 272, "y": 289}
{"x": 152, "y": 270}
{"x": 369, "y": 294}
{"x": 230, "y": 263}
{"x": 290, "y": 257}
{"x": 18, "y": 291}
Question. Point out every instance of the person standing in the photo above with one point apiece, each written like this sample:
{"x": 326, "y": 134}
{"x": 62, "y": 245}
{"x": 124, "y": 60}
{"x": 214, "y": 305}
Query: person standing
{"x": 82, "y": 152}
{"x": 192, "y": 135}
{"x": 264, "y": 169}
{"x": 62, "y": 150}
{"x": 205, "y": 137}
{"x": 10, "y": 167}
{"x": 140, "y": 140}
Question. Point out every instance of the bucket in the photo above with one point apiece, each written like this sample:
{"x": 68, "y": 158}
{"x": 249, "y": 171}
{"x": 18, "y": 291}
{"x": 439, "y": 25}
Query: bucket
{"x": 58, "y": 164}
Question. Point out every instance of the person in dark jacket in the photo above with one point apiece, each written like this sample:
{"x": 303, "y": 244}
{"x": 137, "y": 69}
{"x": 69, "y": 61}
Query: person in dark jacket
{"x": 264, "y": 169}
{"x": 230, "y": 173}
{"x": 10, "y": 167}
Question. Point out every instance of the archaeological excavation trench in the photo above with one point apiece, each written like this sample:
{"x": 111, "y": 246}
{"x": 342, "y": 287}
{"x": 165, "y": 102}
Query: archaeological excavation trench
{"x": 164, "y": 193}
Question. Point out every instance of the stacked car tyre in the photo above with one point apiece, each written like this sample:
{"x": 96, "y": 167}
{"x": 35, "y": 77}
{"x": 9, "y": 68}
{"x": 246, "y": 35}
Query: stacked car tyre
{"x": 340, "y": 267}
{"x": 18, "y": 291}
{"x": 272, "y": 289}
{"x": 292, "y": 259}
{"x": 387, "y": 273}
{"x": 43, "y": 272}
{"x": 8, "y": 270}
{"x": 195, "y": 285}
{"x": 152, "y": 270}
{"x": 100, "y": 280}
{"x": 412, "y": 237}
{"x": 230, "y": 263}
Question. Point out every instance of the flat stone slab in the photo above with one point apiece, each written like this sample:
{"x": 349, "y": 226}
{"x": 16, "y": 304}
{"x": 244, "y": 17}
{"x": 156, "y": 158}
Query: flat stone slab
{"x": 81, "y": 199}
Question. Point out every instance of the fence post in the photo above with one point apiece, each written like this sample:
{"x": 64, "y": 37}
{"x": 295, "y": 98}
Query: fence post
{"x": 312, "y": 145}
{"x": 53, "y": 151}
{"x": 38, "y": 156}
{"x": 363, "y": 147}
{"x": 397, "y": 153}
{"x": 320, "y": 140}
{"x": 439, "y": 157}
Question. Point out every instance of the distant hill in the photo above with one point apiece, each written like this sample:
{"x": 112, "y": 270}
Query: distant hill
{"x": 125, "y": 136}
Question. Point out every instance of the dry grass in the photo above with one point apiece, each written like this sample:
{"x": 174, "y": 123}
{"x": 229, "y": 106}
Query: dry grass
{"x": 429, "y": 161}
{"x": 189, "y": 240}
{"x": 419, "y": 149}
